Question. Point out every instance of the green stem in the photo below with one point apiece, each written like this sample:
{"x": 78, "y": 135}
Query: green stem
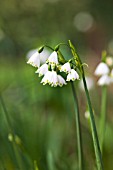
{"x": 78, "y": 128}
{"x": 92, "y": 120}
{"x": 18, "y": 159}
{"x": 93, "y": 128}
{"x": 103, "y": 116}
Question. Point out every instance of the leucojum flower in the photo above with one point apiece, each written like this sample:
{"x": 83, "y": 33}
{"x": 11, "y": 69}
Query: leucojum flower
{"x": 54, "y": 72}
{"x": 105, "y": 71}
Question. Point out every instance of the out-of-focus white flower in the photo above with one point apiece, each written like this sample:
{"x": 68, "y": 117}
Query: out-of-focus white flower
{"x": 111, "y": 74}
{"x": 42, "y": 70}
{"x": 83, "y": 21}
{"x": 102, "y": 69}
{"x": 109, "y": 61}
{"x": 73, "y": 75}
{"x": 89, "y": 81}
{"x": 87, "y": 114}
{"x": 50, "y": 78}
{"x": 104, "y": 80}
{"x": 61, "y": 81}
{"x": 65, "y": 68}
{"x": 53, "y": 58}
{"x": 34, "y": 60}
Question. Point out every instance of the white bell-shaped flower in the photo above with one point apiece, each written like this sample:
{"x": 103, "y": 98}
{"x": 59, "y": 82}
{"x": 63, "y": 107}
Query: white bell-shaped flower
{"x": 73, "y": 75}
{"x": 34, "y": 60}
{"x": 54, "y": 79}
{"x": 42, "y": 70}
{"x": 61, "y": 81}
{"x": 47, "y": 78}
{"x": 53, "y": 58}
{"x": 101, "y": 69}
{"x": 50, "y": 78}
{"x": 65, "y": 68}
{"x": 104, "y": 80}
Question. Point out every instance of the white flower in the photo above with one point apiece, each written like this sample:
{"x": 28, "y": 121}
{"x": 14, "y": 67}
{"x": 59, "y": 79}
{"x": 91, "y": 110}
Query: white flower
{"x": 101, "y": 69}
{"x": 109, "y": 61}
{"x": 43, "y": 55}
{"x": 111, "y": 74}
{"x": 65, "y": 68}
{"x": 53, "y": 58}
{"x": 50, "y": 78}
{"x": 42, "y": 70}
{"x": 34, "y": 60}
{"x": 104, "y": 80}
{"x": 61, "y": 81}
{"x": 73, "y": 75}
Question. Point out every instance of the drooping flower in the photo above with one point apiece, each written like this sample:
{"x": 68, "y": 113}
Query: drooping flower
{"x": 47, "y": 77}
{"x": 43, "y": 55}
{"x": 42, "y": 70}
{"x": 101, "y": 69}
{"x": 65, "y": 68}
{"x": 50, "y": 78}
{"x": 73, "y": 75}
{"x": 53, "y": 58}
{"x": 61, "y": 81}
{"x": 34, "y": 60}
{"x": 104, "y": 80}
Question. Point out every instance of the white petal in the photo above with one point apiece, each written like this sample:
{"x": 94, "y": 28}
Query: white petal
{"x": 65, "y": 68}
{"x": 104, "y": 80}
{"x": 61, "y": 81}
{"x": 101, "y": 69}
{"x": 53, "y": 58}
{"x": 50, "y": 78}
{"x": 44, "y": 56}
{"x": 47, "y": 77}
{"x": 34, "y": 60}
{"x": 54, "y": 79}
{"x": 73, "y": 75}
{"x": 42, "y": 70}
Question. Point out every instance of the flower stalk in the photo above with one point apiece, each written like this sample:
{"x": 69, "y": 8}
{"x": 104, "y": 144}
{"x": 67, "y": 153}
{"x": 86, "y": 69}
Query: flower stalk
{"x": 103, "y": 116}
{"x": 78, "y": 129}
{"x": 11, "y": 135}
{"x": 92, "y": 120}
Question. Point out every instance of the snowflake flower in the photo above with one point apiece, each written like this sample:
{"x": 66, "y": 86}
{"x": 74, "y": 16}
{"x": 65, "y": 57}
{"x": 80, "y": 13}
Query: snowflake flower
{"x": 50, "y": 78}
{"x": 102, "y": 69}
{"x": 104, "y": 80}
{"x": 34, "y": 60}
{"x": 73, "y": 75}
{"x": 65, "y": 68}
{"x": 42, "y": 70}
{"x": 61, "y": 81}
{"x": 53, "y": 58}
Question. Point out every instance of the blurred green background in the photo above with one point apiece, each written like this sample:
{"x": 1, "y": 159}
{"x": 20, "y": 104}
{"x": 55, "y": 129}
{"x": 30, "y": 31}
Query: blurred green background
{"x": 41, "y": 118}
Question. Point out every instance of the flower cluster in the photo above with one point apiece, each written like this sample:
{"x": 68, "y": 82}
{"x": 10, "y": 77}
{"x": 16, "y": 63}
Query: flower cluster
{"x": 105, "y": 70}
{"x": 52, "y": 70}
